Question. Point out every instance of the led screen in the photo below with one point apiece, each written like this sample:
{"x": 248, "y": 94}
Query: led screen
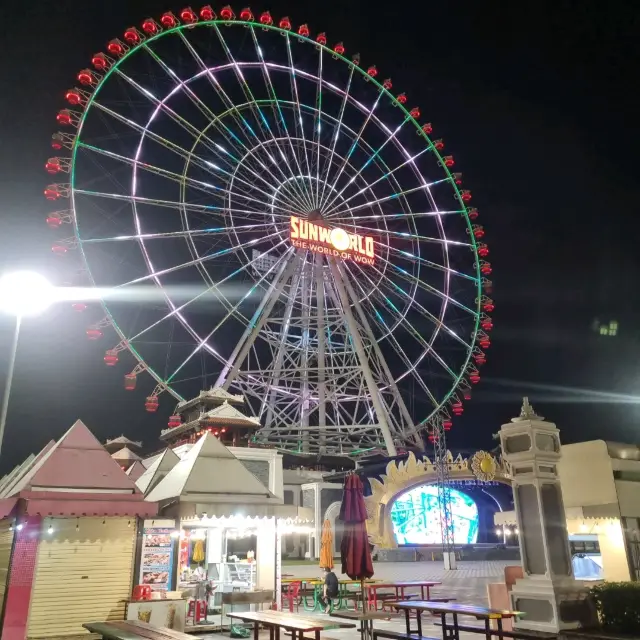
{"x": 415, "y": 517}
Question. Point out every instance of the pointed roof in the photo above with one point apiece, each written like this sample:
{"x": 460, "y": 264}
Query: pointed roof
{"x": 125, "y": 454}
{"x": 23, "y": 469}
{"x": 211, "y": 473}
{"x": 225, "y": 413}
{"x": 157, "y": 471}
{"x": 77, "y": 462}
{"x": 135, "y": 470}
{"x": 121, "y": 441}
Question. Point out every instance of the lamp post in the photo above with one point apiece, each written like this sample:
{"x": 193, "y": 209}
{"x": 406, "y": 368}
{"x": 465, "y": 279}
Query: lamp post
{"x": 22, "y": 293}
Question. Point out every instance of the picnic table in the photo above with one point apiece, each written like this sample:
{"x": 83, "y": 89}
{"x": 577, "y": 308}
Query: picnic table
{"x": 452, "y": 631}
{"x": 365, "y": 618}
{"x": 316, "y": 584}
{"x": 297, "y": 625}
{"x": 400, "y": 586}
{"x": 133, "y": 630}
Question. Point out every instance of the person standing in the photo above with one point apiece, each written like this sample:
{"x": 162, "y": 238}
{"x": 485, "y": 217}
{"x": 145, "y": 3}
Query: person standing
{"x": 329, "y": 589}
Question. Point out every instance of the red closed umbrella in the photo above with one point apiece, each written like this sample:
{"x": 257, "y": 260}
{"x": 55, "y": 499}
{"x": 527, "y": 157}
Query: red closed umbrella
{"x": 354, "y": 549}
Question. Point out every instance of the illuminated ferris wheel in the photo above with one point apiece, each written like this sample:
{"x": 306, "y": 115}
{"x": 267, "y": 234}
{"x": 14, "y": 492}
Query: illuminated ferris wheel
{"x": 260, "y": 212}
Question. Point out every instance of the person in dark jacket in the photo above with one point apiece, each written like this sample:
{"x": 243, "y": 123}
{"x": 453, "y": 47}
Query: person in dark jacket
{"x": 329, "y": 589}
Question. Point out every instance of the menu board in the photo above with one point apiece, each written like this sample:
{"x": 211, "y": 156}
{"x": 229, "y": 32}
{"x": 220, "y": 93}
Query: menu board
{"x": 156, "y": 562}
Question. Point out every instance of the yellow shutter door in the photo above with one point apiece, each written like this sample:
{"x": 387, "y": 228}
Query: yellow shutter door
{"x": 81, "y": 576}
{"x": 6, "y": 540}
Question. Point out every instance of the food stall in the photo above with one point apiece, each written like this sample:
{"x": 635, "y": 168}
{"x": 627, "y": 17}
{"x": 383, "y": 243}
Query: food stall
{"x": 218, "y": 506}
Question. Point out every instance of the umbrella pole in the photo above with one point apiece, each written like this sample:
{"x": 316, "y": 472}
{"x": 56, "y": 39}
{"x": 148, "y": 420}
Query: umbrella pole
{"x": 364, "y": 596}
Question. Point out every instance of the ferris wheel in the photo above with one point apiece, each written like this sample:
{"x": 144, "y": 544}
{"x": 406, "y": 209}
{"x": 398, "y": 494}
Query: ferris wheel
{"x": 260, "y": 211}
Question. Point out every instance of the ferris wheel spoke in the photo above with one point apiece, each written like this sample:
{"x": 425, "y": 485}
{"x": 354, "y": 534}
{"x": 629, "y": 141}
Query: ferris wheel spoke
{"x": 336, "y": 135}
{"x": 209, "y": 209}
{"x": 412, "y": 365}
{"x": 354, "y": 145}
{"x": 299, "y": 121}
{"x": 254, "y": 104}
{"x": 220, "y": 151}
{"x": 223, "y": 252}
{"x": 370, "y": 203}
{"x": 176, "y": 177}
{"x": 317, "y": 124}
{"x": 385, "y": 176}
{"x": 248, "y": 228}
{"x": 410, "y": 236}
{"x": 281, "y": 263}
{"x": 191, "y": 130}
{"x": 234, "y": 109}
{"x": 281, "y": 122}
{"x": 398, "y": 216}
{"x": 217, "y": 120}
{"x": 371, "y": 158}
{"x": 428, "y": 263}
{"x": 175, "y": 311}
{"x": 410, "y": 328}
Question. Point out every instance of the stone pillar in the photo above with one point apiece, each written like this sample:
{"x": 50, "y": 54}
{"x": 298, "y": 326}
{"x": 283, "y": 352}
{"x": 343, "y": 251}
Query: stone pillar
{"x": 548, "y": 594}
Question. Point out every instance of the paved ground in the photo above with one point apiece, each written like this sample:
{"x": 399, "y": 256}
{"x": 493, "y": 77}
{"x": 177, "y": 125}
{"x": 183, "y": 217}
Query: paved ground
{"x": 467, "y": 585}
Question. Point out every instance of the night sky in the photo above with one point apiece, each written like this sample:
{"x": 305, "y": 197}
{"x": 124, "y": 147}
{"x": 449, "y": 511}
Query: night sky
{"x": 539, "y": 104}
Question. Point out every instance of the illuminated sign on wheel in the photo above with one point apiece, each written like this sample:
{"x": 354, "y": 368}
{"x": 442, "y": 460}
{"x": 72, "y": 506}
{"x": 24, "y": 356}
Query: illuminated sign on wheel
{"x": 333, "y": 242}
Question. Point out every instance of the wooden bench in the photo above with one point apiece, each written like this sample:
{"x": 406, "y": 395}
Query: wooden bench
{"x": 133, "y": 630}
{"x": 516, "y": 633}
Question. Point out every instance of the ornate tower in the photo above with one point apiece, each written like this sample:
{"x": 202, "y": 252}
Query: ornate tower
{"x": 549, "y": 593}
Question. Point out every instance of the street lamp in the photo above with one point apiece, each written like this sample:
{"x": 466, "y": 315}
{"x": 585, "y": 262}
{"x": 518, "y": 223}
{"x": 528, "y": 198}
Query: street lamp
{"x": 23, "y": 293}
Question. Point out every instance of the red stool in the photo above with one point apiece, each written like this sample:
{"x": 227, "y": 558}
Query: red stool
{"x": 291, "y": 592}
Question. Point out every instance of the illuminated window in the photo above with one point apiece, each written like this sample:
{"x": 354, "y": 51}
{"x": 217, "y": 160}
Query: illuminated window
{"x": 609, "y": 328}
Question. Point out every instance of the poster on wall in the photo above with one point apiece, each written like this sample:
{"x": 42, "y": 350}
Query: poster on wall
{"x": 161, "y": 613}
{"x": 156, "y": 561}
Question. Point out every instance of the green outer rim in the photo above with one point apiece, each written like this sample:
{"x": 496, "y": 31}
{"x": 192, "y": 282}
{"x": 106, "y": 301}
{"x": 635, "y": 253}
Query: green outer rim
{"x": 367, "y": 77}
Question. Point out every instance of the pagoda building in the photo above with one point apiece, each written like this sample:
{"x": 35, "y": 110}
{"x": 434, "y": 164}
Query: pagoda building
{"x": 214, "y": 411}
{"x": 121, "y": 451}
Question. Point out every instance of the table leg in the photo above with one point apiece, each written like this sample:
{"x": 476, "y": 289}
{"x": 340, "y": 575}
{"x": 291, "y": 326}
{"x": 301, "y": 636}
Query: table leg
{"x": 499, "y": 624}
{"x": 487, "y": 629}
{"x": 317, "y": 635}
{"x": 408, "y": 621}
{"x": 456, "y": 629}
{"x": 443, "y": 622}
{"x": 419, "y": 621}
{"x": 256, "y": 630}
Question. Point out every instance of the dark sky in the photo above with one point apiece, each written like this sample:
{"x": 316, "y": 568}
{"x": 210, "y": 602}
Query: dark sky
{"x": 538, "y": 101}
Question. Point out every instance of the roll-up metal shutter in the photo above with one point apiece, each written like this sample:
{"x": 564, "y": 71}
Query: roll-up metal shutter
{"x": 6, "y": 542}
{"x": 81, "y": 575}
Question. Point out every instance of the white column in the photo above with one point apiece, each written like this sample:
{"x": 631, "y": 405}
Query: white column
{"x": 548, "y": 594}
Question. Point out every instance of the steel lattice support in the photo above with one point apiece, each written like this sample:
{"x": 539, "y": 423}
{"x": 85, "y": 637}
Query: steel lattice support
{"x": 441, "y": 460}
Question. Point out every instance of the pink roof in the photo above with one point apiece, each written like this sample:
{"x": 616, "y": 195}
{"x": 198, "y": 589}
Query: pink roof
{"x": 77, "y": 462}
